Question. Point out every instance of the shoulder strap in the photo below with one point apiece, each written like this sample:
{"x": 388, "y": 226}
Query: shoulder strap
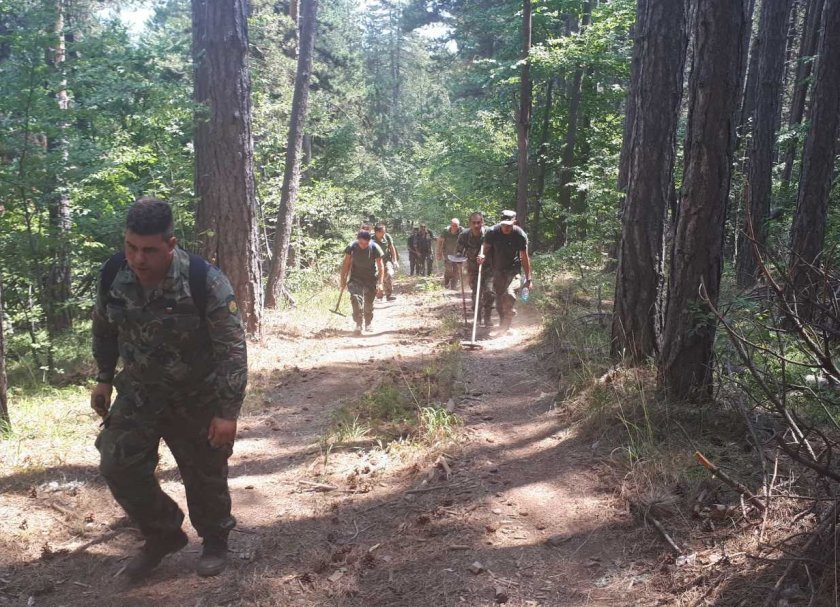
{"x": 109, "y": 273}
{"x": 198, "y": 282}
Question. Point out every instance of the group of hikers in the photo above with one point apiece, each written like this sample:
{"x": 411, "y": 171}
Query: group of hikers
{"x": 501, "y": 250}
{"x": 173, "y": 321}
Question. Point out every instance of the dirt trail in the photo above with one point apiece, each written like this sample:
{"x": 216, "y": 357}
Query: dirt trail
{"x": 522, "y": 520}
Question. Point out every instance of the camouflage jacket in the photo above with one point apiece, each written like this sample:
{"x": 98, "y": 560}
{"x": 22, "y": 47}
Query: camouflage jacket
{"x": 469, "y": 245}
{"x": 169, "y": 352}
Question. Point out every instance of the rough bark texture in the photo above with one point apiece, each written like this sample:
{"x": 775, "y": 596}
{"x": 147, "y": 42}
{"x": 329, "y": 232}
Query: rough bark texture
{"x": 807, "y": 49}
{"x": 660, "y": 44}
{"x": 771, "y": 51}
{"x": 630, "y": 108}
{"x": 224, "y": 158}
{"x": 542, "y": 160}
{"x": 714, "y": 87}
{"x": 291, "y": 175}
{"x": 57, "y": 288}
{"x": 808, "y": 230}
{"x": 523, "y": 122}
{"x": 4, "y": 403}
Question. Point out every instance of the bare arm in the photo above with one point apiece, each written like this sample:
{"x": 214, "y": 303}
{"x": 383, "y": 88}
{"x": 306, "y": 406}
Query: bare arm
{"x": 345, "y": 269}
{"x": 526, "y": 266}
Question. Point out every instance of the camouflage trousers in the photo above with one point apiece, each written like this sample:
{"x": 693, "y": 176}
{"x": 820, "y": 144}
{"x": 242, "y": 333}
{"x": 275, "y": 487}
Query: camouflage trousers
{"x": 503, "y": 286}
{"x": 487, "y": 296}
{"x": 128, "y": 446}
{"x": 388, "y": 279}
{"x": 451, "y": 274}
{"x": 361, "y": 298}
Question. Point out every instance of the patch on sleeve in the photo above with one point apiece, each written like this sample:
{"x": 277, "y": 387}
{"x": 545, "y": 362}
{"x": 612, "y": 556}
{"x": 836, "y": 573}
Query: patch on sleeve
{"x": 232, "y": 307}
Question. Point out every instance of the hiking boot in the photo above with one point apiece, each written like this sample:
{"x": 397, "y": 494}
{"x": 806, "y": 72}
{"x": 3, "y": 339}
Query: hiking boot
{"x": 368, "y": 328}
{"x": 488, "y": 322}
{"x": 213, "y": 559}
{"x": 391, "y": 297}
{"x": 358, "y": 329}
{"x": 152, "y": 553}
{"x": 504, "y": 324}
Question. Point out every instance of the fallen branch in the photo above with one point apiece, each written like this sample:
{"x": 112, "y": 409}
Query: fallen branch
{"x": 751, "y": 497}
{"x": 663, "y": 533}
{"x": 435, "y": 488}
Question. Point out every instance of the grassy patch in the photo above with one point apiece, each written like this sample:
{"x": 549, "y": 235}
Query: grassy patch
{"x": 408, "y": 406}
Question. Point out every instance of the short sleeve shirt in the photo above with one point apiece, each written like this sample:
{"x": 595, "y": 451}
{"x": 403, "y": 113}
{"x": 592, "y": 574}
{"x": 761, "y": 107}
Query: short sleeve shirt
{"x": 506, "y": 247}
{"x": 385, "y": 244}
{"x": 363, "y": 266}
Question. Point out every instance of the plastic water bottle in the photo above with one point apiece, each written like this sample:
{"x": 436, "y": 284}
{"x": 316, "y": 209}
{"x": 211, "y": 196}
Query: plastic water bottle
{"x": 524, "y": 293}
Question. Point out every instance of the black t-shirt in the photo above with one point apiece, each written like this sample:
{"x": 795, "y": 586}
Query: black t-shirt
{"x": 506, "y": 247}
{"x": 363, "y": 268}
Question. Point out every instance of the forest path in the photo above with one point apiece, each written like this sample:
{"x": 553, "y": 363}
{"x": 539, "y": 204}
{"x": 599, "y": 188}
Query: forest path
{"x": 523, "y": 519}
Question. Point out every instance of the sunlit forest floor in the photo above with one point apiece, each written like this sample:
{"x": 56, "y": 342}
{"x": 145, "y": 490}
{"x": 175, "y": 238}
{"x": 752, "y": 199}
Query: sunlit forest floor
{"x": 398, "y": 468}
{"x": 493, "y": 501}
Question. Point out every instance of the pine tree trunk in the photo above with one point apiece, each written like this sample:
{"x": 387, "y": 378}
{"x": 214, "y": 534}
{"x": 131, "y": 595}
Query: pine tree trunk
{"x": 807, "y": 49}
{"x": 224, "y": 157}
{"x": 697, "y": 256}
{"x": 57, "y": 288}
{"x": 808, "y": 230}
{"x": 4, "y": 403}
{"x": 771, "y": 50}
{"x": 542, "y": 160}
{"x": 659, "y": 50}
{"x": 291, "y": 174}
{"x": 523, "y": 122}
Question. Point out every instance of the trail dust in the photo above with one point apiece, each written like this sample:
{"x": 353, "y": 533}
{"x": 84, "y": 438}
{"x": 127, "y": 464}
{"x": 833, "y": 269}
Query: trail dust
{"x": 513, "y": 512}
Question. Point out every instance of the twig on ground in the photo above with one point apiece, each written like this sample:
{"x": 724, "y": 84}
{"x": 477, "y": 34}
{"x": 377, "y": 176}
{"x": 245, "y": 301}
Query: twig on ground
{"x": 661, "y": 530}
{"x": 435, "y": 488}
{"x": 753, "y": 499}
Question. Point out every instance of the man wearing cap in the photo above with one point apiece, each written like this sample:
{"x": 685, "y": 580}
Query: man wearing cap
{"x": 389, "y": 258}
{"x": 447, "y": 244}
{"x": 362, "y": 273}
{"x": 423, "y": 241}
{"x": 506, "y": 242}
{"x": 470, "y": 243}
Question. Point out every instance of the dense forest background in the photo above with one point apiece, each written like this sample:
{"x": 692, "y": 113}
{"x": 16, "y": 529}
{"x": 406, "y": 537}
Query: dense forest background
{"x": 674, "y": 163}
{"x": 690, "y": 147}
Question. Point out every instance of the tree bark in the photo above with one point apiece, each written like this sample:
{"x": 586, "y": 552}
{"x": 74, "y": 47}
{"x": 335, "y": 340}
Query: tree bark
{"x": 807, "y": 49}
{"x": 542, "y": 161}
{"x": 771, "y": 61}
{"x": 523, "y": 122}
{"x": 224, "y": 157}
{"x": 659, "y": 52}
{"x": 697, "y": 256}
{"x": 291, "y": 175}
{"x": 808, "y": 230}
{"x": 57, "y": 288}
{"x": 4, "y": 403}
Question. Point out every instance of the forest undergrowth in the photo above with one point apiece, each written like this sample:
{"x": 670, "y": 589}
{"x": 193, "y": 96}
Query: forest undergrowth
{"x": 742, "y": 515}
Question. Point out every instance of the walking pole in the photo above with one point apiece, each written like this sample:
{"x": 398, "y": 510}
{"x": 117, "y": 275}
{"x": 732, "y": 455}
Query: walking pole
{"x": 472, "y": 345}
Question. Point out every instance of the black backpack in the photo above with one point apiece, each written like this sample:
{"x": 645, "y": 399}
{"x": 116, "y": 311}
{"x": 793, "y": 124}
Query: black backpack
{"x": 198, "y": 278}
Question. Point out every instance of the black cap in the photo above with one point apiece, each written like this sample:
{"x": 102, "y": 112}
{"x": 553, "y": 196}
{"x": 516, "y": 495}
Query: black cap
{"x": 363, "y": 235}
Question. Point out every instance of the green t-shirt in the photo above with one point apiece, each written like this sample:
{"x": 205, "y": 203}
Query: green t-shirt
{"x": 363, "y": 268}
{"x": 450, "y": 241}
{"x": 385, "y": 244}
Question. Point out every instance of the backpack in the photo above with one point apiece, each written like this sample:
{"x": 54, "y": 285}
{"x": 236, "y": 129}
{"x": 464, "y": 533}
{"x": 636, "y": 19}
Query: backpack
{"x": 198, "y": 279}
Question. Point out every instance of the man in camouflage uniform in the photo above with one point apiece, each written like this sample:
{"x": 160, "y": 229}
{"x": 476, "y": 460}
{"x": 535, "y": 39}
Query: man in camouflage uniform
{"x": 424, "y": 240}
{"x": 390, "y": 259}
{"x": 363, "y": 274}
{"x": 183, "y": 381}
{"x": 469, "y": 245}
{"x": 447, "y": 245}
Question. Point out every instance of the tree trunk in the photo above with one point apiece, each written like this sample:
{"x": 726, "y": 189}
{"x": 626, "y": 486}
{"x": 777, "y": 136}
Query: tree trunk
{"x": 697, "y": 256}
{"x": 771, "y": 62}
{"x": 523, "y": 122}
{"x": 750, "y": 85}
{"x": 291, "y": 174}
{"x": 224, "y": 157}
{"x": 807, "y": 49}
{"x": 4, "y": 404}
{"x": 659, "y": 47}
{"x": 808, "y": 230}
{"x": 57, "y": 288}
{"x": 542, "y": 161}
